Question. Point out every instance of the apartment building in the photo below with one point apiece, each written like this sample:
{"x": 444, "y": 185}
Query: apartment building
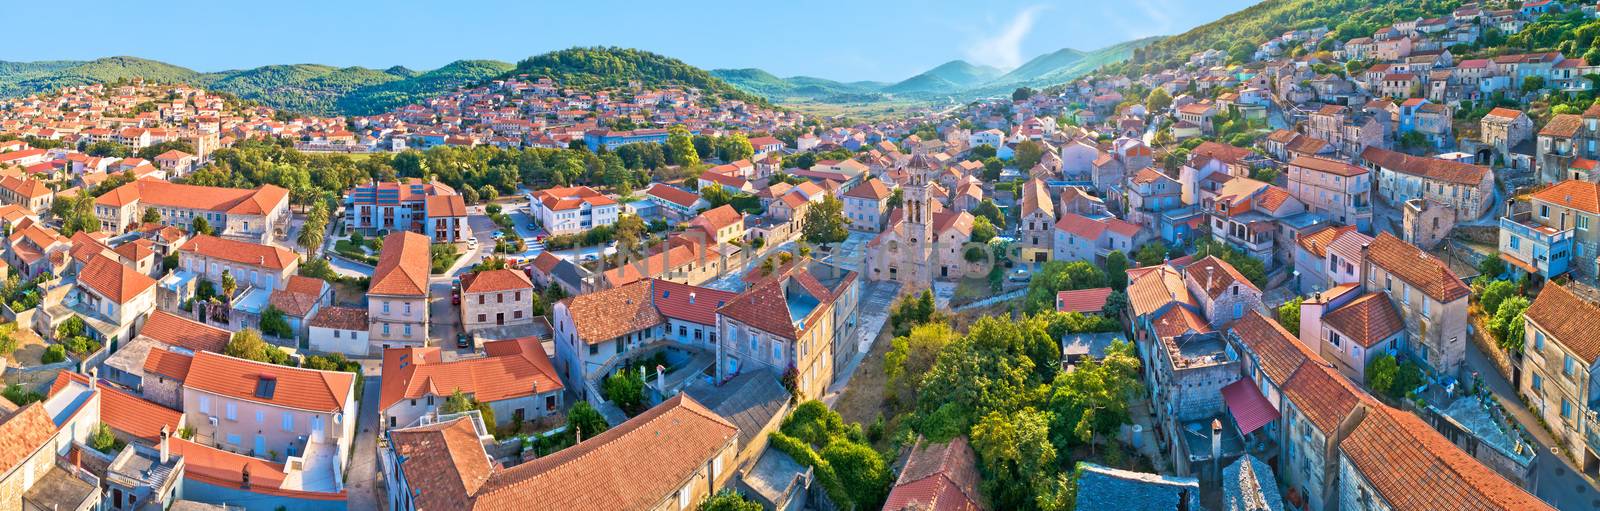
{"x": 1038, "y": 220}
{"x": 596, "y": 333}
{"x": 397, "y": 298}
{"x": 572, "y": 210}
{"x": 867, "y": 205}
{"x": 29, "y": 193}
{"x": 1557, "y": 234}
{"x": 1564, "y": 140}
{"x": 1560, "y": 362}
{"x": 112, "y": 299}
{"x": 804, "y": 318}
{"x": 1337, "y": 190}
{"x": 1430, "y": 298}
{"x": 252, "y": 265}
{"x": 252, "y": 215}
{"x": 271, "y": 411}
{"x": 1465, "y": 188}
{"x": 428, "y": 207}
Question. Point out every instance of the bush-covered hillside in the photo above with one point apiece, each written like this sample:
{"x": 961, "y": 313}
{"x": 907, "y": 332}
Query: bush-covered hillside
{"x": 300, "y": 87}
{"x": 417, "y": 87}
{"x": 599, "y": 67}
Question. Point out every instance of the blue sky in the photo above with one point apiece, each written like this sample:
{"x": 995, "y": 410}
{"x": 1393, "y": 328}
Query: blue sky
{"x": 862, "y": 40}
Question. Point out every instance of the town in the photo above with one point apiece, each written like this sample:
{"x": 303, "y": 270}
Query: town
{"x": 1346, "y": 266}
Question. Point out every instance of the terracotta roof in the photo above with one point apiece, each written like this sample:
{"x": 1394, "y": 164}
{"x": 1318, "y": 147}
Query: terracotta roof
{"x": 155, "y": 192}
{"x": 1565, "y": 317}
{"x": 23, "y": 433}
{"x": 937, "y": 477}
{"x": 1036, "y": 198}
{"x": 1323, "y": 395}
{"x": 1503, "y": 114}
{"x": 1414, "y": 467}
{"x": 445, "y": 460}
{"x": 341, "y": 318}
{"x": 635, "y": 465}
{"x": 241, "y": 252}
{"x": 545, "y": 262}
{"x": 1179, "y": 320}
{"x": 1368, "y": 319}
{"x": 441, "y": 206}
{"x": 1278, "y": 351}
{"x": 514, "y": 368}
{"x": 126, "y": 412}
{"x": 673, "y": 300}
{"x": 872, "y": 189}
{"x": 1152, "y": 287}
{"x": 135, "y": 250}
{"x": 303, "y": 389}
{"x": 1081, "y": 226}
{"x": 604, "y": 315}
{"x": 1562, "y": 125}
{"x": 185, "y": 333}
{"x": 1417, "y": 268}
{"x": 489, "y": 281}
{"x": 1082, "y": 300}
{"x": 560, "y": 199}
{"x": 719, "y": 217}
{"x": 168, "y": 363}
{"x": 403, "y": 266}
{"x": 1215, "y": 276}
{"x": 1317, "y": 242}
{"x": 114, "y": 280}
{"x": 673, "y": 194}
{"x": 1575, "y": 194}
{"x": 1429, "y": 168}
{"x": 1327, "y": 165}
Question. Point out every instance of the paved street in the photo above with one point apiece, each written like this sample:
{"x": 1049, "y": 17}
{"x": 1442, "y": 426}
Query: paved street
{"x": 363, "y": 471}
{"x": 876, "y": 297}
{"x": 1555, "y": 479}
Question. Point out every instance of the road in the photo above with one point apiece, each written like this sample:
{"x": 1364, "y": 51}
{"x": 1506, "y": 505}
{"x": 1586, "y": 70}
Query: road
{"x": 876, "y": 298}
{"x": 1556, "y": 481}
{"x": 363, "y": 471}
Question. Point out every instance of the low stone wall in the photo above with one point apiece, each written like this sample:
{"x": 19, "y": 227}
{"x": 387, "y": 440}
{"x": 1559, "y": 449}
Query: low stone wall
{"x": 1480, "y": 234}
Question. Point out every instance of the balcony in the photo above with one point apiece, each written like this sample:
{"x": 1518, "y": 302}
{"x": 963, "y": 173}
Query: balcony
{"x": 1533, "y": 247}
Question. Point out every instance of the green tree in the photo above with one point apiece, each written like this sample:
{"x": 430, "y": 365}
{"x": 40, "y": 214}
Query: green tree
{"x": 1117, "y": 269}
{"x": 76, "y": 213}
{"x": 151, "y": 216}
{"x": 1289, "y": 315}
{"x": 729, "y": 500}
{"x": 861, "y": 472}
{"x": 982, "y": 152}
{"x": 1027, "y": 154}
{"x": 1381, "y": 373}
{"x": 911, "y": 356}
{"x": 1491, "y": 267}
{"x": 1092, "y": 399}
{"x": 274, "y": 323}
{"x": 229, "y": 285}
{"x": 626, "y": 389}
{"x": 1151, "y": 253}
{"x": 586, "y": 421}
{"x": 247, "y": 344}
{"x": 825, "y": 222}
{"x": 1532, "y": 83}
{"x": 988, "y": 209}
{"x": 734, "y": 147}
{"x": 982, "y": 230}
{"x": 1508, "y": 326}
{"x": 1057, "y": 276}
{"x": 201, "y": 226}
{"x": 1023, "y": 93}
{"x": 103, "y": 440}
{"x": 1158, "y": 100}
{"x": 1495, "y": 293}
{"x": 1016, "y": 455}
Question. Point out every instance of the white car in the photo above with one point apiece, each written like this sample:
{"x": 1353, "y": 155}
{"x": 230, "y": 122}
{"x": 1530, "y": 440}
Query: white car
{"x": 472, "y": 243}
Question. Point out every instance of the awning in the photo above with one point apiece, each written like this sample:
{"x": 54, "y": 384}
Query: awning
{"x": 1250, "y": 409}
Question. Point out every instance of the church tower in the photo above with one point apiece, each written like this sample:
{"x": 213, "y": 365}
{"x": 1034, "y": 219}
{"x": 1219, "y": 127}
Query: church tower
{"x": 917, "y": 258}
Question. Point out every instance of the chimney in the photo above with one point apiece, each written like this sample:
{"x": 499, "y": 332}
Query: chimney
{"x": 94, "y": 378}
{"x": 1216, "y": 445}
{"x": 1509, "y": 206}
{"x": 244, "y": 477}
{"x": 661, "y": 380}
{"x": 1210, "y": 271}
{"x": 691, "y": 298}
{"x": 165, "y": 434}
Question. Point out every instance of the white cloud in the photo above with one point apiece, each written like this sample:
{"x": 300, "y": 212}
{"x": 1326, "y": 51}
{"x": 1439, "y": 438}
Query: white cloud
{"x": 1004, "y": 49}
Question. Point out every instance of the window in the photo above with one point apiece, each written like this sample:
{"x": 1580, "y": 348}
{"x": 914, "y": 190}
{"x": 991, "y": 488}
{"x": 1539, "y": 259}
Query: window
{"x": 1516, "y": 243}
{"x": 288, "y": 420}
{"x": 1583, "y": 223}
{"x": 1569, "y": 366}
{"x": 517, "y": 314}
{"x": 1544, "y": 211}
{"x": 1538, "y": 340}
{"x": 1333, "y": 338}
{"x": 482, "y": 318}
{"x": 408, "y": 309}
{"x": 385, "y": 329}
{"x": 261, "y": 416}
{"x": 683, "y": 498}
{"x": 408, "y": 329}
{"x": 480, "y": 299}
{"x": 1566, "y": 408}
{"x": 205, "y": 404}
{"x": 1538, "y": 383}
{"x": 499, "y": 298}
{"x": 385, "y": 306}
{"x": 1238, "y": 310}
{"x": 777, "y": 352}
{"x": 232, "y": 411}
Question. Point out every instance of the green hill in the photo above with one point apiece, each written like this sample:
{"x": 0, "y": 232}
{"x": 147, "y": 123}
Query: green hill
{"x": 1043, "y": 65}
{"x": 952, "y": 76}
{"x": 416, "y": 87}
{"x": 797, "y": 88}
{"x": 300, "y": 87}
{"x": 19, "y": 78}
{"x": 1239, "y": 33}
{"x": 599, "y": 67}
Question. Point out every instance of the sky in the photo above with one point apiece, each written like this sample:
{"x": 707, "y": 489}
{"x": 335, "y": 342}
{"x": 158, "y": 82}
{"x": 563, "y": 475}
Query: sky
{"x": 866, "y": 40}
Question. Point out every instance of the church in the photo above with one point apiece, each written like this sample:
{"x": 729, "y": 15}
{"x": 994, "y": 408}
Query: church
{"x": 924, "y": 240}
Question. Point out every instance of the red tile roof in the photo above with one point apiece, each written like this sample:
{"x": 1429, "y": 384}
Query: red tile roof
{"x": 607, "y": 314}
{"x": 185, "y": 333}
{"x": 1566, "y": 318}
{"x": 442, "y": 206}
{"x": 302, "y": 389}
{"x": 445, "y": 460}
{"x": 1575, "y": 194}
{"x": 673, "y": 194}
{"x": 341, "y": 318}
{"x": 1429, "y": 168}
{"x": 403, "y": 266}
{"x": 1414, "y": 467}
{"x": 126, "y": 412}
{"x": 1278, "y": 351}
{"x": 22, "y": 434}
{"x": 937, "y": 477}
{"x": 112, "y": 279}
{"x": 673, "y": 299}
{"x": 168, "y": 363}
{"x": 1215, "y": 276}
{"x": 872, "y": 189}
{"x": 1087, "y": 301}
{"x": 1411, "y": 264}
{"x": 1326, "y": 165}
{"x": 489, "y": 281}
{"x": 514, "y": 368}
{"x": 241, "y": 252}
{"x": 1323, "y": 395}
{"x": 1367, "y": 320}
{"x": 155, "y": 192}
{"x": 1317, "y": 242}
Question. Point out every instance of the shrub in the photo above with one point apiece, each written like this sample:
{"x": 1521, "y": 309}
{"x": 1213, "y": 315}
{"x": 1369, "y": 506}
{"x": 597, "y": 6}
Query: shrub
{"x": 21, "y": 396}
{"x": 54, "y": 353}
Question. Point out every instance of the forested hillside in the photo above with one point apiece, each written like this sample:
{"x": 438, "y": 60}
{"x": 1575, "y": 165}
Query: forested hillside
{"x": 599, "y": 67}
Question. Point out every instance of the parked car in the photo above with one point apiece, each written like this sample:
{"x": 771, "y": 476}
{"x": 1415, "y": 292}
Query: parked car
{"x": 472, "y": 243}
{"x": 462, "y": 341}
{"x": 1021, "y": 275}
